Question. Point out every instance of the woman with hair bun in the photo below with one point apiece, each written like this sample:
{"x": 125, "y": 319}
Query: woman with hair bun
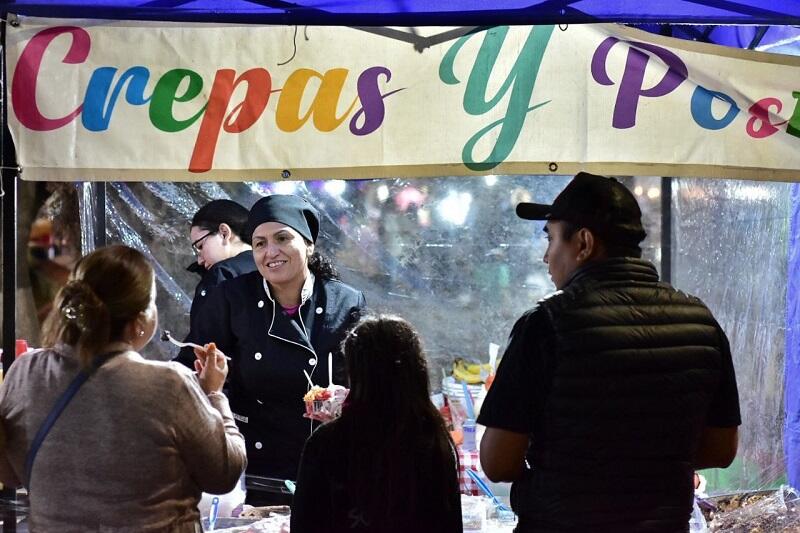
{"x": 102, "y": 438}
{"x": 387, "y": 464}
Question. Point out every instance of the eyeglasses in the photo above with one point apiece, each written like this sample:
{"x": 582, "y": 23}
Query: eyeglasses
{"x": 197, "y": 246}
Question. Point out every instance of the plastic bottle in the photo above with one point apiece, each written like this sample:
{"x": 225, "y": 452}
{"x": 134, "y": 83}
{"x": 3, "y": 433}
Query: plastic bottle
{"x": 470, "y": 442}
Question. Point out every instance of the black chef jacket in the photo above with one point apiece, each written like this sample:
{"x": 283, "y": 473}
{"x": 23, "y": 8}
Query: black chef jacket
{"x": 230, "y": 268}
{"x": 269, "y": 351}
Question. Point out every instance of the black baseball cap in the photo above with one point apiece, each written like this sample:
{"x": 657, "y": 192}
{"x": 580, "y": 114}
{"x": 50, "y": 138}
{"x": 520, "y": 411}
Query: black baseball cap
{"x": 294, "y": 211}
{"x": 601, "y": 204}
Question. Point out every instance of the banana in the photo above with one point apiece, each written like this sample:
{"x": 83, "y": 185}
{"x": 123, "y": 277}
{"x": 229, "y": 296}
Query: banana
{"x": 471, "y": 373}
{"x": 477, "y": 369}
{"x": 470, "y": 378}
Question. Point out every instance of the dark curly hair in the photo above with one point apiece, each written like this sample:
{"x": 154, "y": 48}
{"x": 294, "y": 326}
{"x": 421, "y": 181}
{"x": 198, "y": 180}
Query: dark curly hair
{"x": 322, "y": 267}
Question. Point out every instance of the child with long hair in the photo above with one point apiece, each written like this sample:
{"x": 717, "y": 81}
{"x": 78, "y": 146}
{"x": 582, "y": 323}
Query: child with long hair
{"x": 388, "y": 463}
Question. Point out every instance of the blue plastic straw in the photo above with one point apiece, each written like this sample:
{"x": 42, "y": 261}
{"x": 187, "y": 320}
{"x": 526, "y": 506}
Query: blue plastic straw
{"x": 212, "y": 513}
{"x": 486, "y": 490}
{"x": 468, "y": 401}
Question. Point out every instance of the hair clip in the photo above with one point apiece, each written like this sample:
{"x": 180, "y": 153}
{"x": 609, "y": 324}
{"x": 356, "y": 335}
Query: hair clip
{"x": 70, "y": 313}
{"x": 74, "y": 316}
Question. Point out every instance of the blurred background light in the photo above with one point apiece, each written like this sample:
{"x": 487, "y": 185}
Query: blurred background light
{"x": 285, "y": 187}
{"x": 335, "y": 187}
{"x": 454, "y": 208}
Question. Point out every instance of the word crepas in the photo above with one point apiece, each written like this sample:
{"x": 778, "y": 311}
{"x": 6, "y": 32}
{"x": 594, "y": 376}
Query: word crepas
{"x": 366, "y": 109}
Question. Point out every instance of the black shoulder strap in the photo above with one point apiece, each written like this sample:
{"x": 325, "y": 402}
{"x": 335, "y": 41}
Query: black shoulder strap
{"x": 59, "y": 407}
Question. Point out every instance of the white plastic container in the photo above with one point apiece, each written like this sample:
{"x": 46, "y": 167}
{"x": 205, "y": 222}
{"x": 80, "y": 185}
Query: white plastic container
{"x": 697, "y": 522}
{"x": 228, "y": 503}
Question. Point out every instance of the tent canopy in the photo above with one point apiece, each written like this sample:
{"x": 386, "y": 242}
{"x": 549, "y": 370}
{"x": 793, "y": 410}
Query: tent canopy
{"x": 422, "y": 12}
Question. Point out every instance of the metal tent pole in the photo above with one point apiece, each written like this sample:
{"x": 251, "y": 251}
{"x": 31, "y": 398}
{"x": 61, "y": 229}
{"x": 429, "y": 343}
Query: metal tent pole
{"x": 99, "y": 190}
{"x": 8, "y": 179}
{"x": 8, "y": 214}
{"x": 666, "y": 229}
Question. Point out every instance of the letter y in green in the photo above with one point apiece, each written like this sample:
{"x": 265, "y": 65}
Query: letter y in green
{"x": 521, "y": 80}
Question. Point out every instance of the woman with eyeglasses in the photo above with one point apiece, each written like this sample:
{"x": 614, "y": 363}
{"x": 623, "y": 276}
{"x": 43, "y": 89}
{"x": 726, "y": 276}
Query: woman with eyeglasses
{"x": 216, "y": 235}
{"x": 275, "y": 323}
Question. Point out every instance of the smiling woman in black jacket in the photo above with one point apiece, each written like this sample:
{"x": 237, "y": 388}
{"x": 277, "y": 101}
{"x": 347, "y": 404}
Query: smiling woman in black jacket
{"x": 274, "y": 324}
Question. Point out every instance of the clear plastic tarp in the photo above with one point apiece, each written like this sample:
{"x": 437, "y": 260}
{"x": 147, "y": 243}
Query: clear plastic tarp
{"x": 450, "y": 255}
{"x": 730, "y": 249}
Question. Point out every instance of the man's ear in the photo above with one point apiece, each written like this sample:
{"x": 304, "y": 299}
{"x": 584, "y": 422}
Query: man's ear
{"x": 587, "y": 244}
{"x": 225, "y": 232}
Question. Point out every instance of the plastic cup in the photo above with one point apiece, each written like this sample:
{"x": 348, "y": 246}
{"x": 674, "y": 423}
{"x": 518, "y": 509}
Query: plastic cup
{"x": 21, "y": 347}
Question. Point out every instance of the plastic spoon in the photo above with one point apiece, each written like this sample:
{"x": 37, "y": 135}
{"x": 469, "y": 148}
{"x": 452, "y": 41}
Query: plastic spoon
{"x": 493, "y": 349}
{"x": 167, "y": 337}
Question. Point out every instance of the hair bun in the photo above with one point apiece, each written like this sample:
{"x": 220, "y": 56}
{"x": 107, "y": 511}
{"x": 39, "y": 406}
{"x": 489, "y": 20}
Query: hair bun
{"x": 78, "y": 302}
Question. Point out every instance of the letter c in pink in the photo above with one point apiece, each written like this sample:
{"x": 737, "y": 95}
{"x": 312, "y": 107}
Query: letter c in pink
{"x": 23, "y": 85}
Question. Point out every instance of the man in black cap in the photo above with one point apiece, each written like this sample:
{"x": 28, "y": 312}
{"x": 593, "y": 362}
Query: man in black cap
{"x": 613, "y": 390}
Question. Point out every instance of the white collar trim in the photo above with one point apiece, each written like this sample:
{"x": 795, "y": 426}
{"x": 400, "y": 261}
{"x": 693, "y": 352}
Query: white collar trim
{"x": 305, "y": 292}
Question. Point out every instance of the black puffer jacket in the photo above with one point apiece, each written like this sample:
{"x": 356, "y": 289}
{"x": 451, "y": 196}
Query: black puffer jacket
{"x": 633, "y": 366}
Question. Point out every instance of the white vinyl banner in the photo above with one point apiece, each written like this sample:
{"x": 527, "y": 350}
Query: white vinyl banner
{"x": 119, "y": 100}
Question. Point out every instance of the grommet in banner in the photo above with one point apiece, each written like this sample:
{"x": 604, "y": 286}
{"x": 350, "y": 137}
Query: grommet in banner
{"x": 286, "y": 174}
{"x": 553, "y": 167}
{"x": 563, "y": 27}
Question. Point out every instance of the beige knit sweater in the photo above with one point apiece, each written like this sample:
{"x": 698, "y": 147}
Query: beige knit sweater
{"x": 131, "y": 452}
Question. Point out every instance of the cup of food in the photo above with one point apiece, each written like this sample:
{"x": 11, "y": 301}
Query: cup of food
{"x": 325, "y": 404}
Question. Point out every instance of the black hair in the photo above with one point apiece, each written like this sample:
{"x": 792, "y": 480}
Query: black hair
{"x": 614, "y": 248}
{"x": 398, "y": 440}
{"x": 217, "y": 212}
{"x": 322, "y": 267}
